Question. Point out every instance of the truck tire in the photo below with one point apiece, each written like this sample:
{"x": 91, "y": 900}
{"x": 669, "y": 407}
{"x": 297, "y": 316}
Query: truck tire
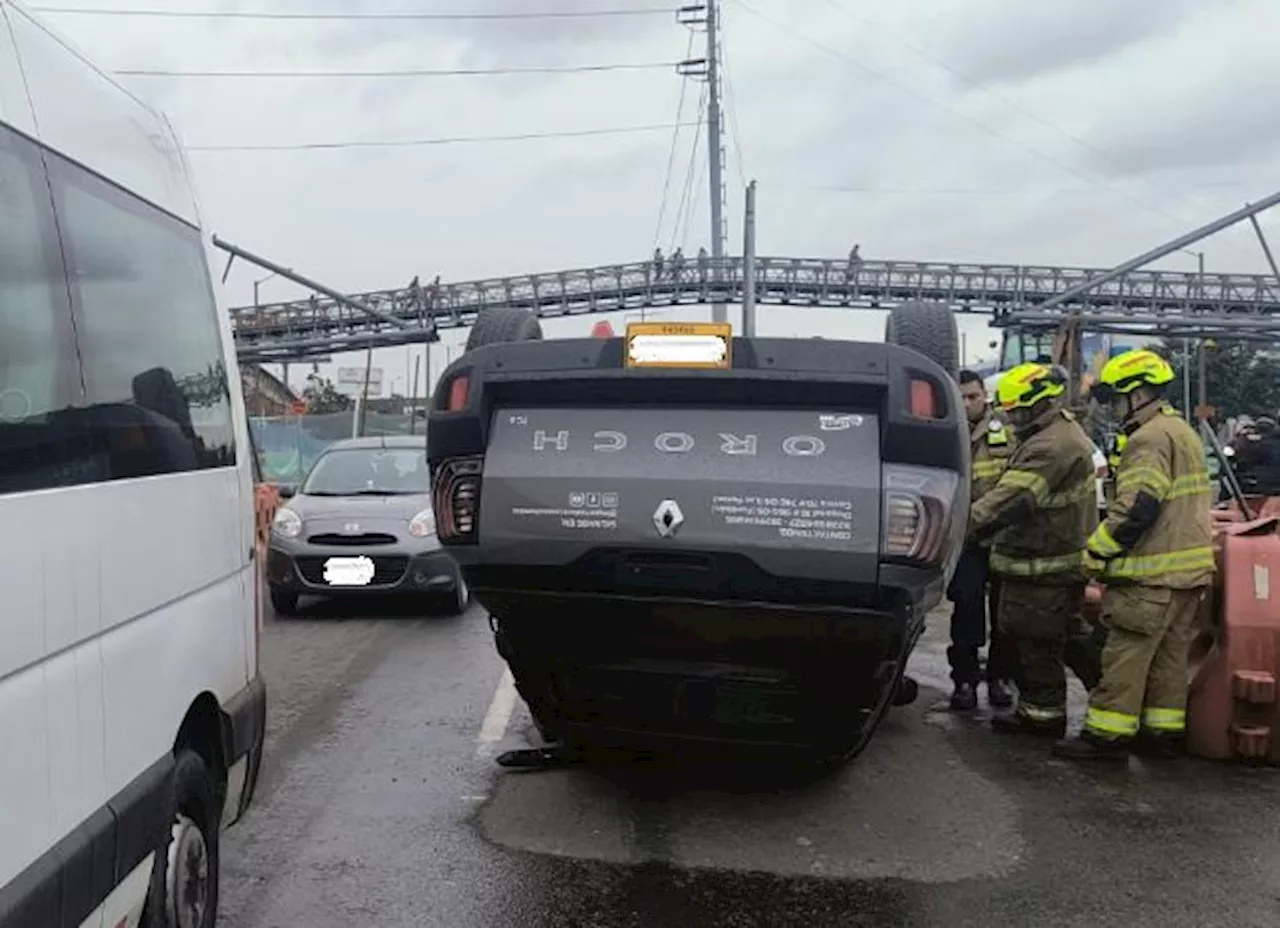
{"x": 929, "y": 328}
{"x": 503, "y": 324}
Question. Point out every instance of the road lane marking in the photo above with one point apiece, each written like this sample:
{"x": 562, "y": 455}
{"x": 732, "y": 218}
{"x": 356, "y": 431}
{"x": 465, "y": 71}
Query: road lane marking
{"x": 498, "y": 717}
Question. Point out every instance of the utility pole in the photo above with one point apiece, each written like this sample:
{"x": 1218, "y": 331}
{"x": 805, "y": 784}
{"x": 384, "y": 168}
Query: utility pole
{"x": 749, "y": 263}
{"x": 707, "y": 15}
{"x": 715, "y": 153}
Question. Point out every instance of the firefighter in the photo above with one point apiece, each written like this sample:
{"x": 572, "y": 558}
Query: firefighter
{"x": 1154, "y": 552}
{"x": 990, "y": 446}
{"x": 1040, "y": 512}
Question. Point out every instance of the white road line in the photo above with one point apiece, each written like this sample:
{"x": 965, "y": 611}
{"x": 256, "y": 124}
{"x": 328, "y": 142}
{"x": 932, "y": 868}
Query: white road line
{"x": 498, "y": 717}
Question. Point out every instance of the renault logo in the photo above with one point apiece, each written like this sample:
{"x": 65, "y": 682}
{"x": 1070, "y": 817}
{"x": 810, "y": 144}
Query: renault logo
{"x": 668, "y": 518}
{"x": 351, "y": 528}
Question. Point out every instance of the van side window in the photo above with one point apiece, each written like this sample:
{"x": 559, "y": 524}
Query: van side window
{"x": 147, "y": 329}
{"x": 39, "y": 377}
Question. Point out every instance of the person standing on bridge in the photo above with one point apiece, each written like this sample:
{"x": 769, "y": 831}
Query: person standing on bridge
{"x": 1154, "y": 552}
{"x": 703, "y": 261}
{"x": 677, "y": 264}
{"x": 657, "y": 264}
{"x": 855, "y": 262}
{"x": 971, "y": 586}
{"x": 1039, "y": 514}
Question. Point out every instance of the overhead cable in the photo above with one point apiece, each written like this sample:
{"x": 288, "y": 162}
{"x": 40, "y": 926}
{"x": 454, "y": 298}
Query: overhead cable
{"x": 446, "y": 140}
{"x": 405, "y": 17}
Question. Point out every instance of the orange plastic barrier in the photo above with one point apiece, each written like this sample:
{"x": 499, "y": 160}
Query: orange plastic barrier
{"x": 266, "y": 500}
{"x": 1233, "y": 708}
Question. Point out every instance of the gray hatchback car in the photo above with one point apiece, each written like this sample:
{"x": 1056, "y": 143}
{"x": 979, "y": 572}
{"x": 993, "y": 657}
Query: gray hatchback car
{"x": 361, "y": 523}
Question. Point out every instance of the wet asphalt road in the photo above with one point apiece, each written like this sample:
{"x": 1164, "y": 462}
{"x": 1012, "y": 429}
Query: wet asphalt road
{"x": 380, "y": 806}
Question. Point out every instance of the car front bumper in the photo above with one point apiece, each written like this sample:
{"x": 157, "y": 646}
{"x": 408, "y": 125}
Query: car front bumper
{"x": 396, "y": 571}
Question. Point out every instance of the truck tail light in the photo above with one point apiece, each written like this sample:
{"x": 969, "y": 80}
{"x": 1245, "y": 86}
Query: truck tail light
{"x": 457, "y": 393}
{"x": 917, "y": 504}
{"x": 925, "y": 402}
{"x": 457, "y": 499}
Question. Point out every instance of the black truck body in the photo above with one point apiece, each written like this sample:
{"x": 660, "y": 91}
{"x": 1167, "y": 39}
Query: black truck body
{"x": 740, "y": 556}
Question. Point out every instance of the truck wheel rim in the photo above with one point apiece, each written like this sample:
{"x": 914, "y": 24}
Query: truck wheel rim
{"x": 188, "y": 883}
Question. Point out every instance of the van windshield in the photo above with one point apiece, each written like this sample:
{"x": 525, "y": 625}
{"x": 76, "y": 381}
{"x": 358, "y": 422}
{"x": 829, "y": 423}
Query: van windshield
{"x": 369, "y": 472}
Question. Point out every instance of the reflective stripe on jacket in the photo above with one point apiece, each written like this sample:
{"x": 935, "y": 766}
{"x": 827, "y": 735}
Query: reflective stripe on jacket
{"x": 1158, "y": 531}
{"x": 1043, "y": 506}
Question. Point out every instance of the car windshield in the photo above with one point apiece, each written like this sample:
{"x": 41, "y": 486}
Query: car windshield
{"x": 369, "y": 472}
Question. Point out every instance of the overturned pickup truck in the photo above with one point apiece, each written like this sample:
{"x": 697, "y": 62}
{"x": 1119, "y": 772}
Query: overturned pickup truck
{"x": 685, "y": 538}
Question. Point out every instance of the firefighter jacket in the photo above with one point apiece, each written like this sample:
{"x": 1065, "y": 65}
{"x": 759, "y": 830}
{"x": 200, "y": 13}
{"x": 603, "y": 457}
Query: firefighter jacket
{"x": 1157, "y": 531}
{"x": 1043, "y": 506}
{"x": 990, "y": 444}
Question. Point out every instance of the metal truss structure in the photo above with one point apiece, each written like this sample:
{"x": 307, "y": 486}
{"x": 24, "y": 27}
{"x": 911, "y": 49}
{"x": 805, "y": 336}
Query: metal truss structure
{"x": 1169, "y": 303}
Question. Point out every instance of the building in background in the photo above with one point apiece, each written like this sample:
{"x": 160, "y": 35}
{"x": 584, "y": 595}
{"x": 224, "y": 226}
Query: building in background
{"x": 264, "y": 393}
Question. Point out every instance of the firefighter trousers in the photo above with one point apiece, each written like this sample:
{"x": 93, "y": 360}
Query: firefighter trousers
{"x": 1150, "y": 631}
{"x": 1042, "y": 621}
{"x": 973, "y": 591}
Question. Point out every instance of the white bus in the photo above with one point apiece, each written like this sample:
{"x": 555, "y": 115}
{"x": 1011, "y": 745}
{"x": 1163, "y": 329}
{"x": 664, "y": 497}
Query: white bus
{"x": 131, "y": 708}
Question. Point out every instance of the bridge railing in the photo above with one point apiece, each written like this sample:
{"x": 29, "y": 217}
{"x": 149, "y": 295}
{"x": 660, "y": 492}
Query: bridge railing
{"x": 806, "y": 281}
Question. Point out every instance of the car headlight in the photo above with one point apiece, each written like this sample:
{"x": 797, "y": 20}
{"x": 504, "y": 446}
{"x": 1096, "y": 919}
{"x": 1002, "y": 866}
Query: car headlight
{"x": 287, "y": 523}
{"x": 423, "y": 525}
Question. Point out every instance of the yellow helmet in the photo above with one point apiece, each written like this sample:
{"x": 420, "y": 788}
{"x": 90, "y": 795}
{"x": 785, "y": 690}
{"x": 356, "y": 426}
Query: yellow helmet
{"x": 1023, "y": 386}
{"x": 1129, "y": 370}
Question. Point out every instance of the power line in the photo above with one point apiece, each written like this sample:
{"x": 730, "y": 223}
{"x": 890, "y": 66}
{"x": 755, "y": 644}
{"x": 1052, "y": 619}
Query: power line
{"x": 686, "y": 193}
{"x": 404, "y": 17}
{"x": 675, "y": 142}
{"x": 980, "y": 191}
{"x": 731, "y": 105}
{"x": 450, "y": 140}
{"x": 867, "y": 69}
{"x": 702, "y": 178}
{"x": 403, "y": 72}
{"x": 978, "y": 85}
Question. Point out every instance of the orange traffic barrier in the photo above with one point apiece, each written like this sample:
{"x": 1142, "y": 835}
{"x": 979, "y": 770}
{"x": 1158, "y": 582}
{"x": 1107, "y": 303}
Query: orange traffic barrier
{"x": 1233, "y": 709}
{"x": 266, "y": 500}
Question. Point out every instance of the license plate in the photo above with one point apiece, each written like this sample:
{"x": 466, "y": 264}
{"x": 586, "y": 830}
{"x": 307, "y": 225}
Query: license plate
{"x": 348, "y": 571}
{"x": 680, "y": 344}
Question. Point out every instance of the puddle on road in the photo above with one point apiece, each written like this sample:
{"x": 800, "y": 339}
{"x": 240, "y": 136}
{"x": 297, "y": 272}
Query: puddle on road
{"x": 908, "y": 808}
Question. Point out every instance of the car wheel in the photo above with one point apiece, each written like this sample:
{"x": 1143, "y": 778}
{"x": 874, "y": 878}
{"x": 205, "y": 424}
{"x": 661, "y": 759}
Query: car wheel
{"x": 184, "y": 884}
{"x": 930, "y": 329}
{"x": 284, "y": 602}
{"x": 503, "y": 324}
{"x": 460, "y": 598}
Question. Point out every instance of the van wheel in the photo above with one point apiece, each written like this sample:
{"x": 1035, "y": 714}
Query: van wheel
{"x": 284, "y": 602}
{"x": 503, "y": 324}
{"x": 929, "y": 328}
{"x": 184, "y": 880}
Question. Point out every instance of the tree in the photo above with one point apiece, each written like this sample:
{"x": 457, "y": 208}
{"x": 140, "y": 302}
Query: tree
{"x": 321, "y": 396}
{"x": 1241, "y": 377}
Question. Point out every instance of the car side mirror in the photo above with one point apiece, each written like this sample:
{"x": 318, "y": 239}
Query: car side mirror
{"x": 287, "y": 491}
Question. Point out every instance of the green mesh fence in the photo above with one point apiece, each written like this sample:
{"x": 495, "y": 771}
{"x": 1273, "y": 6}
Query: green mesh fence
{"x": 288, "y": 445}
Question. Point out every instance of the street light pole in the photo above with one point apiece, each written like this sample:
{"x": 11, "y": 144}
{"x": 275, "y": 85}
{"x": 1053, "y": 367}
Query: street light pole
{"x": 1186, "y": 344}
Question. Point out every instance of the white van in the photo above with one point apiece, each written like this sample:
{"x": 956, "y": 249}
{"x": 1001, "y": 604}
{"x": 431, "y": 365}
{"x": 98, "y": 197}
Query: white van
{"x": 131, "y": 709}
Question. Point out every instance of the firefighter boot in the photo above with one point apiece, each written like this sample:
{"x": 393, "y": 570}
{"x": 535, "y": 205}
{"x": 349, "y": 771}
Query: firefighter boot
{"x": 964, "y": 697}
{"x": 998, "y": 694}
{"x": 1158, "y": 746}
{"x": 1088, "y": 746}
{"x": 1017, "y": 724}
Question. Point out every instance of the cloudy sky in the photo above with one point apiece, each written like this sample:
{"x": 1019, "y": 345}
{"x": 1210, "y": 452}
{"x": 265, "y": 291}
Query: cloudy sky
{"x": 1007, "y": 131}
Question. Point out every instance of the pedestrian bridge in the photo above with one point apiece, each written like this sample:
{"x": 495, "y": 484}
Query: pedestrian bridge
{"x": 319, "y": 325}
